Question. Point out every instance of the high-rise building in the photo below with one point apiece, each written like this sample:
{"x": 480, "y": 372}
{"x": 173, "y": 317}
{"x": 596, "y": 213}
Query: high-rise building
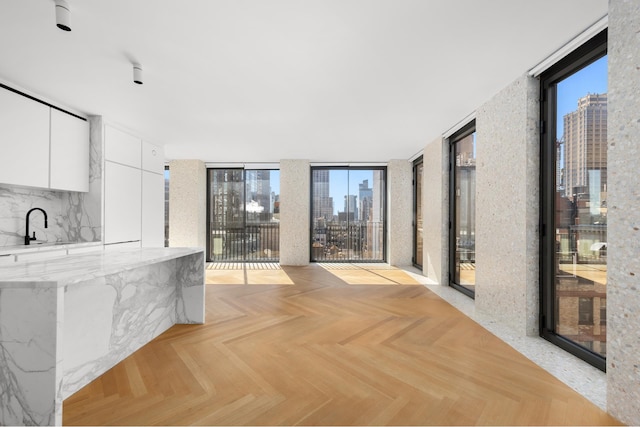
{"x": 351, "y": 206}
{"x": 322, "y": 202}
{"x": 365, "y": 196}
{"x": 585, "y": 153}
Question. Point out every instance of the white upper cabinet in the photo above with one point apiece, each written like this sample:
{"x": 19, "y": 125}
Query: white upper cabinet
{"x": 152, "y": 158}
{"x": 121, "y": 147}
{"x": 69, "y": 152}
{"x": 24, "y": 141}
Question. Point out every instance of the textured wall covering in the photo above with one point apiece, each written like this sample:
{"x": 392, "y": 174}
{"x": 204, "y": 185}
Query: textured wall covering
{"x": 623, "y": 293}
{"x": 72, "y": 216}
{"x": 187, "y": 203}
{"x": 400, "y": 208}
{"x": 435, "y": 208}
{"x": 507, "y": 192}
{"x": 294, "y": 212}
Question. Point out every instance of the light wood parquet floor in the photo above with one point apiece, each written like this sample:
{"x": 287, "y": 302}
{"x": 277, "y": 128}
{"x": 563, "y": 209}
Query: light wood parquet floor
{"x": 321, "y": 351}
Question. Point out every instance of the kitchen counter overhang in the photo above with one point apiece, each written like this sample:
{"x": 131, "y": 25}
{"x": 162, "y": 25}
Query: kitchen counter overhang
{"x": 66, "y": 320}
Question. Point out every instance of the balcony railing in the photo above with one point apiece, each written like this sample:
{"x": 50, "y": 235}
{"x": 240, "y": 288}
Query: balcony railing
{"x": 582, "y": 244}
{"x": 259, "y": 242}
{"x": 360, "y": 241}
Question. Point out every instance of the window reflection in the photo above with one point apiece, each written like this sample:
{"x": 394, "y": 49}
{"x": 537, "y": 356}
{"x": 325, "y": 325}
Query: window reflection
{"x": 464, "y": 194}
{"x": 581, "y": 207}
{"x": 347, "y": 209}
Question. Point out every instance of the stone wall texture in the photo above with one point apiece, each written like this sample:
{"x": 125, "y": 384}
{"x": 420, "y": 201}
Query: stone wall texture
{"x": 623, "y": 278}
{"x": 295, "y": 181}
{"x": 187, "y": 204}
{"x": 507, "y": 213}
{"x": 400, "y": 208}
{"x": 435, "y": 208}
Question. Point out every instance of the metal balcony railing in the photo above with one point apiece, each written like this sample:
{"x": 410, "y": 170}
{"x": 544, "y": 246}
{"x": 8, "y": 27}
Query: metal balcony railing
{"x": 359, "y": 241}
{"x": 259, "y": 242}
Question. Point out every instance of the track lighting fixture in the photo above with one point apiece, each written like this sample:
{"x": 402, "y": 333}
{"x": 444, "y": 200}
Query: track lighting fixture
{"x": 137, "y": 73}
{"x": 62, "y": 15}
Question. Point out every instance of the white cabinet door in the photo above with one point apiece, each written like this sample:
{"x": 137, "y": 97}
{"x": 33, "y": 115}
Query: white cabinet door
{"x": 152, "y": 158}
{"x": 69, "y": 152}
{"x": 24, "y": 141}
{"x": 152, "y": 210}
{"x": 121, "y": 147}
{"x": 122, "y": 203}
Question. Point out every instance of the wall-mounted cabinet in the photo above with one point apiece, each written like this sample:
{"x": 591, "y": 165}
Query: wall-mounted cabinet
{"x": 24, "y": 141}
{"x": 69, "y": 152}
{"x": 42, "y": 146}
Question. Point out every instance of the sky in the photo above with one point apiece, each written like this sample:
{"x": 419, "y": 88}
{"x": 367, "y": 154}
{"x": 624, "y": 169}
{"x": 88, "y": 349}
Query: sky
{"x": 343, "y": 182}
{"x": 591, "y": 79}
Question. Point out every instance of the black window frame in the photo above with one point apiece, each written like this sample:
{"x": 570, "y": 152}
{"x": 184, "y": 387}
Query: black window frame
{"x": 586, "y": 54}
{"x": 416, "y": 163}
{"x": 463, "y": 132}
{"x": 209, "y": 172}
{"x": 385, "y": 242}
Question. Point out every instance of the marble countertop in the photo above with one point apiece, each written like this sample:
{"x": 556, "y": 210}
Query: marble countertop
{"x": 74, "y": 268}
{"x": 44, "y": 246}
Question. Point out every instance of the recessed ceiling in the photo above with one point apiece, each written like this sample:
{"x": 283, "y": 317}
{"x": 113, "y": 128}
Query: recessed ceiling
{"x": 263, "y": 80}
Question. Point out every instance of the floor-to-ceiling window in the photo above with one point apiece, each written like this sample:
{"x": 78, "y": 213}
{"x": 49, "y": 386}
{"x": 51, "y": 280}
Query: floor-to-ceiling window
{"x": 348, "y": 214}
{"x": 462, "y": 233}
{"x": 574, "y": 202}
{"x": 166, "y": 206}
{"x": 417, "y": 212}
{"x": 244, "y": 215}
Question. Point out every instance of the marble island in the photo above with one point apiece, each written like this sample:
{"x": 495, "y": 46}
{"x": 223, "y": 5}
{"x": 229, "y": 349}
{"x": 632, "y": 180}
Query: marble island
{"x": 66, "y": 320}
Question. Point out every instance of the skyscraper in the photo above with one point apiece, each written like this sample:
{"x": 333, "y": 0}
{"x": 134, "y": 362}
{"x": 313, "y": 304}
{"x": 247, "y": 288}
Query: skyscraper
{"x": 365, "y": 195}
{"x": 351, "y": 206}
{"x": 322, "y": 202}
{"x": 585, "y": 140}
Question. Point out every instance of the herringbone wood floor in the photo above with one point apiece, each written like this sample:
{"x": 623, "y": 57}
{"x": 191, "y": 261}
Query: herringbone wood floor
{"x": 323, "y": 352}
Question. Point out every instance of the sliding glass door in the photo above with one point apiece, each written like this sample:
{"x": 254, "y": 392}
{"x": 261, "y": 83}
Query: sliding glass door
{"x": 574, "y": 203}
{"x": 462, "y": 233}
{"x": 243, "y": 212}
{"x": 417, "y": 213}
{"x": 347, "y": 214}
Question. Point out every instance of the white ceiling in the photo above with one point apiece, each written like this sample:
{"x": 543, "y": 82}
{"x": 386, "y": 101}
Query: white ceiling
{"x": 263, "y": 80}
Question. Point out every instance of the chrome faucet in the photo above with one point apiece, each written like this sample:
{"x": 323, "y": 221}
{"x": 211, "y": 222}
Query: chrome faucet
{"x": 27, "y": 238}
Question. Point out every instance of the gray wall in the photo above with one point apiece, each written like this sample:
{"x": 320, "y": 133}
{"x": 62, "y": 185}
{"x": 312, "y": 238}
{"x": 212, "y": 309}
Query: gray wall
{"x": 295, "y": 214}
{"x": 400, "y": 211}
{"x": 507, "y": 214}
{"x": 187, "y": 203}
{"x": 623, "y": 287}
{"x": 435, "y": 211}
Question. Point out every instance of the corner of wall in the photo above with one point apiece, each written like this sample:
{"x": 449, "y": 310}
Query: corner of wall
{"x": 623, "y": 200}
{"x": 507, "y": 283}
{"x": 187, "y": 203}
{"x": 435, "y": 208}
{"x": 400, "y": 211}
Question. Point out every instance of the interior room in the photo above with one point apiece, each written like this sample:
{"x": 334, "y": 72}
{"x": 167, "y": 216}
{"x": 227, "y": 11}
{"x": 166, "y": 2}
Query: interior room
{"x": 319, "y": 213}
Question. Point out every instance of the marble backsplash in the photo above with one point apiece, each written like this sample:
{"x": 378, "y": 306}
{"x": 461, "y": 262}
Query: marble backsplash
{"x": 72, "y": 217}
{"x": 15, "y": 202}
